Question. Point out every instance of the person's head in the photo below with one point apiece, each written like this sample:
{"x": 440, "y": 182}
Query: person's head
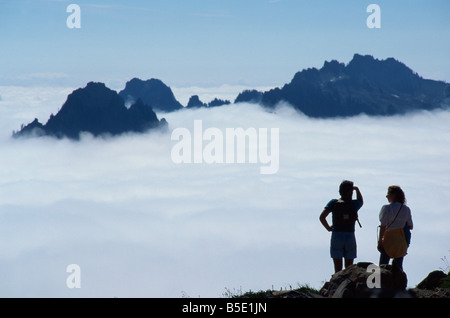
{"x": 395, "y": 194}
{"x": 346, "y": 189}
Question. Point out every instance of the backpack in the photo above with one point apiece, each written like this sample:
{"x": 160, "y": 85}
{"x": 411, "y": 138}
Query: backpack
{"x": 344, "y": 216}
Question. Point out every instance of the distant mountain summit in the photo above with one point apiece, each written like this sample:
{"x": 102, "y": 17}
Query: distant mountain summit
{"x": 160, "y": 96}
{"x": 195, "y": 102}
{"x": 153, "y": 92}
{"x": 365, "y": 86}
{"x": 98, "y": 110}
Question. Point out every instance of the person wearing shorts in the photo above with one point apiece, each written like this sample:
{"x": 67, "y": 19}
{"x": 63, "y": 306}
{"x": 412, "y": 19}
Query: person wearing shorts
{"x": 344, "y": 216}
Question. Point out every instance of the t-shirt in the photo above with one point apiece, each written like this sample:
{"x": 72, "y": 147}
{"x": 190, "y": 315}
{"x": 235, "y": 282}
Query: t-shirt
{"x": 388, "y": 213}
{"x": 337, "y": 227}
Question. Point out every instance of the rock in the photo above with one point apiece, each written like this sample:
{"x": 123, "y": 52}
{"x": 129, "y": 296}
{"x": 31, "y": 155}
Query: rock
{"x": 435, "y": 285}
{"x": 288, "y": 293}
{"x": 435, "y": 293}
{"x": 432, "y": 281}
{"x": 292, "y": 294}
{"x": 352, "y": 283}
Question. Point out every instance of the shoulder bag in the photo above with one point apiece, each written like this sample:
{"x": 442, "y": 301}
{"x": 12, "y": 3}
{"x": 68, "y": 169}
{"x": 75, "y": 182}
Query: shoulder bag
{"x": 394, "y": 241}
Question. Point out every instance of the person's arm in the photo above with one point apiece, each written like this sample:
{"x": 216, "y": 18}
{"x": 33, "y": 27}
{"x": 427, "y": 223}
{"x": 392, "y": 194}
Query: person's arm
{"x": 323, "y": 219}
{"x": 410, "y": 221}
{"x": 359, "y": 196}
{"x": 380, "y": 237}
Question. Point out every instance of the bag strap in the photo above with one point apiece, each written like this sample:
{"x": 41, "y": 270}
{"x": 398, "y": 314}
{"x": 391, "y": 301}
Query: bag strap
{"x": 395, "y": 217}
{"x": 391, "y": 222}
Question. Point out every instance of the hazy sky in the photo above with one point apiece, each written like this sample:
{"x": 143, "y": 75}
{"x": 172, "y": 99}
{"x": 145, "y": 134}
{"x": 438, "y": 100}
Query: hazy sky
{"x": 212, "y": 42}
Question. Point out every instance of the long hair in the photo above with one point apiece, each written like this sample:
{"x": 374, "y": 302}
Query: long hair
{"x": 398, "y": 193}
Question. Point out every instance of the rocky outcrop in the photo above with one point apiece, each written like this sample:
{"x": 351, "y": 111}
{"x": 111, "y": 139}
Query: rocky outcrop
{"x": 97, "y": 110}
{"x": 358, "y": 281}
{"x": 435, "y": 285}
{"x": 353, "y": 282}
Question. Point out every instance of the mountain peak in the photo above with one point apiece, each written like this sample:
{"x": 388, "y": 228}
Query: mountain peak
{"x": 98, "y": 110}
{"x": 333, "y": 67}
{"x": 152, "y": 92}
{"x": 363, "y": 57}
{"x": 365, "y": 85}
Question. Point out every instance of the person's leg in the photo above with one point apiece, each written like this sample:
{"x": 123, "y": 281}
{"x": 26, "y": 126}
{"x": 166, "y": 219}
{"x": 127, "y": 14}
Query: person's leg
{"x": 349, "y": 248}
{"x": 384, "y": 258}
{"x": 398, "y": 262}
{"x": 348, "y": 262}
{"x": 336, "y": 250}
{"x": 337, "y": 264}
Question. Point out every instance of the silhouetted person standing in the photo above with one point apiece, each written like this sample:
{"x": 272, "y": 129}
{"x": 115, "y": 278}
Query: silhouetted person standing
{"x": 394, "y": 216}
{"x": 344, "y": 215}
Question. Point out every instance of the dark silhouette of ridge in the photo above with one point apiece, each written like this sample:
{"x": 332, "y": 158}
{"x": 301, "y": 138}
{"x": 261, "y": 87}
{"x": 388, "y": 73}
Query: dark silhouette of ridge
{"x": 98, "y": 110}
{"x": 153, "y": 92}
{"x": 249, "y": 96}
{"x": 160, "y": 97}
{"x": 195, "y": 102}
{"x": 365, "y": 86}
{"x": 218, "y": 102}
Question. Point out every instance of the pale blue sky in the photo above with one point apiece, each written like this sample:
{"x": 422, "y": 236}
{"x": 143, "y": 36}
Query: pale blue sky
{"x": 212, "y": 42}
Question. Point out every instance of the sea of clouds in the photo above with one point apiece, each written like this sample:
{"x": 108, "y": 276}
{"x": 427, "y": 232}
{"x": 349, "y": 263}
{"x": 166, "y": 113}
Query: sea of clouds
{"x": 140, "y": 225}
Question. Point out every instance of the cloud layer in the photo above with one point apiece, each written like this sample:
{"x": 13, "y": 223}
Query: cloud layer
{"x": 139, "y": 225}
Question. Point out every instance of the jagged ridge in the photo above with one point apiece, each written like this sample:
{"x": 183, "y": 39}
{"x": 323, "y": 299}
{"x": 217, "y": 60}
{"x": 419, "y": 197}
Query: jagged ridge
{"x": 364, "y": 86}
{"x": 98, "y": 110}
